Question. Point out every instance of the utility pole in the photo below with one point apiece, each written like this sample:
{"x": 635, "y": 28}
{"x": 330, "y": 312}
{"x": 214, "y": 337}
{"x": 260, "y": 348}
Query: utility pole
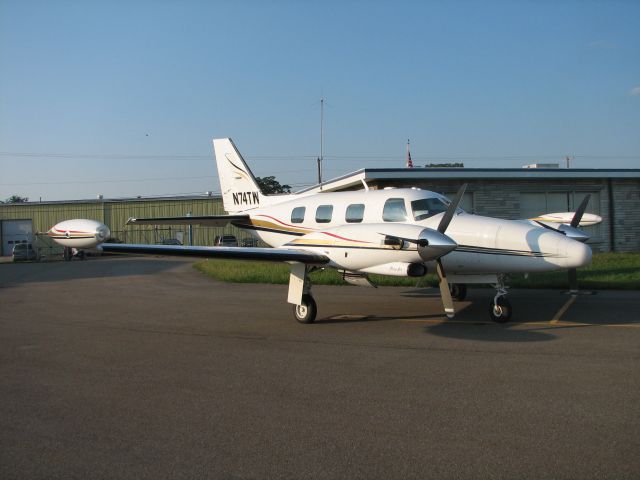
{"x": 568, "y": 160}
{"x": 321, "y": 142}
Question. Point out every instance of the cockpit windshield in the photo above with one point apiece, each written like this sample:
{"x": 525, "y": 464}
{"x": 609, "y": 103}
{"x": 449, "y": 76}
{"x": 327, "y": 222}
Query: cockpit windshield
{"x": 427, "y": 207}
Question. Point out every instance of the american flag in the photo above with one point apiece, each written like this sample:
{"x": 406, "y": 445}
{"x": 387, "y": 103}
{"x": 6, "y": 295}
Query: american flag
{"x": 409, "y": 162}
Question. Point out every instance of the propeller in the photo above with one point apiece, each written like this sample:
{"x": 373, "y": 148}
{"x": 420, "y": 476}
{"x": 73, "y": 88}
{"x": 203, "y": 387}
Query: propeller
{"x": 445, "y": 292}
{"x": 575, "y": 221}
{"x": 433, "y": 245}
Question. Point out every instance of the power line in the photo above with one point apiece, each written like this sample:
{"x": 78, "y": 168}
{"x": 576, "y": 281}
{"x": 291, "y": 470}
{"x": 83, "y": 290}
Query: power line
{"x": 294, "y": 157}
{"x": 126, "y": 180}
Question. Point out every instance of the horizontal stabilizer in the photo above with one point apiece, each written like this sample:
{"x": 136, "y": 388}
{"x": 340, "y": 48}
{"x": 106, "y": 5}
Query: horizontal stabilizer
{"x": 236, "y": 253}
{"x": 206, "y": 220}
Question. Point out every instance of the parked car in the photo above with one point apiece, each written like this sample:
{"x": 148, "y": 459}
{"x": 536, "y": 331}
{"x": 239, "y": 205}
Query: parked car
{"x": 226, "y": 241}
{"x": 249, "y": 242}
{"x": 170, "y": 241}
{"x": 24, "y": 251}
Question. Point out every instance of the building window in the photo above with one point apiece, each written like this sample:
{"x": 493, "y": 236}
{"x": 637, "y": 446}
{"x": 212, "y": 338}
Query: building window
{"x": 394, "y": 210}
{"x": 355, "y": 213}
{"x": 466, "y": 202}
{"x": 324, "y": 213}
{"x": 297, "y": 215}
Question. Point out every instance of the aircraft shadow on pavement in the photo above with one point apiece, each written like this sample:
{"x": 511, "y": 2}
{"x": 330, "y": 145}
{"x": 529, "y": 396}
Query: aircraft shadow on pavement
{"x": 472, "y": 320}
{"x": 22, "y": 273}
{"x": 489, "y": 333}
{"x": 346, "y": 318}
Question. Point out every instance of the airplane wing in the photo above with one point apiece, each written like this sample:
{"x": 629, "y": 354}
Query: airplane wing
{"x": 237, "y": 253}
{"x": 208, "y": 220}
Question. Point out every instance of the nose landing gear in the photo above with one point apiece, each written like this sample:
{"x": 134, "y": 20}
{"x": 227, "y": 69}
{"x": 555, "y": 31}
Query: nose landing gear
{"x": 500, "y": 308}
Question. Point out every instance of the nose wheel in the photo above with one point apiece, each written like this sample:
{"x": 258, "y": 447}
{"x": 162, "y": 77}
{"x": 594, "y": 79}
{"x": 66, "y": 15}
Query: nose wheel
{"x": 500, "y": 310}
{"x": 307, "y": 310}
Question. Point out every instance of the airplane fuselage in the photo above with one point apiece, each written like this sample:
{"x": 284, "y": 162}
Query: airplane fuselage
{"x": 350, "y": 228}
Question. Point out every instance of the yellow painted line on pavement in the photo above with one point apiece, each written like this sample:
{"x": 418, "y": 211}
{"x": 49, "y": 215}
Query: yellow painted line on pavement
{"x": 556, "y": 318}
{"x": 557, "y": 323}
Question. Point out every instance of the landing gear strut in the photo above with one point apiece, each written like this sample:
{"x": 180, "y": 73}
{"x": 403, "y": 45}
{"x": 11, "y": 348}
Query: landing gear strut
{"x": 500, "y": 308}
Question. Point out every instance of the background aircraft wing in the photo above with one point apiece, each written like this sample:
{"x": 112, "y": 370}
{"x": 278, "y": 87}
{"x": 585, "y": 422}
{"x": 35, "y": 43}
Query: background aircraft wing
{"x": 209, "y": 220}
{"x": 237, "y": 253}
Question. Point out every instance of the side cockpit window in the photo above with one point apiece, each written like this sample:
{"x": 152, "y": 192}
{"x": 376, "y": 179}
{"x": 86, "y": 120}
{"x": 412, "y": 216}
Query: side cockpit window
{"x": 297, "y": 215}
{"x": 427, "y": 207}
{"x": 394, "y": 210}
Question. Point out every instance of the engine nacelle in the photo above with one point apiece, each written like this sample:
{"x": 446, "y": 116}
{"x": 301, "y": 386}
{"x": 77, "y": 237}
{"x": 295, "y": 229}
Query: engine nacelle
{"x": 79, "y": 233}
{"x": 398, "y": 269}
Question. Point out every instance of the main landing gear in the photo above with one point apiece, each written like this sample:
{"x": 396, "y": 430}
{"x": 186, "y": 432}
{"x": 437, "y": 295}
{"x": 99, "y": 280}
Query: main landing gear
{"x": 500, "y": 308}
{"x": 458, "y": 291}
{"x": 304, "y": 306}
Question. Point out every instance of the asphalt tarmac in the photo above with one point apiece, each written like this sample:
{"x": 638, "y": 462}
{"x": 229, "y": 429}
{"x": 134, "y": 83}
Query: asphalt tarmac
{"x": 144, "y": 368}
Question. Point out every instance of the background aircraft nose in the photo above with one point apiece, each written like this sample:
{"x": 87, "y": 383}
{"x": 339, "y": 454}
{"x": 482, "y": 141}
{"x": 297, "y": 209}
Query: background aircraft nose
{"x": 578, "y": 254}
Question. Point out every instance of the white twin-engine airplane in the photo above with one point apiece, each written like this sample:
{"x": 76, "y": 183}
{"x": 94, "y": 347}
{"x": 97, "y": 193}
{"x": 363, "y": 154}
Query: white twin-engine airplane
{"x": 402, "y": 232}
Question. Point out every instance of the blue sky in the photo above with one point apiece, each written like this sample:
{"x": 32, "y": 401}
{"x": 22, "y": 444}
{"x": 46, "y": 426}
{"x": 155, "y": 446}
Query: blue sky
{"x": 122, "y": 98}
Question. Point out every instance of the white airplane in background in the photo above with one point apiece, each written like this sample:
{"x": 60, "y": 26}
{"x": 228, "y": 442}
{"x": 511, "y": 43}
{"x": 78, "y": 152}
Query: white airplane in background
{"x": 403, "y": 232}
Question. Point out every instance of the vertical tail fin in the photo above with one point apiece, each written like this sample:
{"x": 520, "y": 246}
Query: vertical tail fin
{"x": 240, "y": 191}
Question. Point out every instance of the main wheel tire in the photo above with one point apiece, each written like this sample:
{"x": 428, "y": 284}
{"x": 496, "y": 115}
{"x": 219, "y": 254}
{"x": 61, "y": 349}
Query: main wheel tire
{"x": 306, "y": 311}
{"x": 458, "y": 291}
{"x": 501, "y": 311}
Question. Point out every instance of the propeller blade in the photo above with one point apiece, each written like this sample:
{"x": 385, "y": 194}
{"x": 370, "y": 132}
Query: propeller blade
{"x": 575, "y": 221}
{"x": 445, "y": 293}
{"x": 448, "y": 215}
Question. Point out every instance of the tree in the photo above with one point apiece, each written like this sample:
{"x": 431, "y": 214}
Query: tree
{"x": 445, "y": 165}
{"x": 270, "y": 185}
{"x": 17, "y": 199}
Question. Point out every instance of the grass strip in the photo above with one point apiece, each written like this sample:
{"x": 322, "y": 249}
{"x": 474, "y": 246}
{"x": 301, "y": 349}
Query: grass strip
{"x": 608, "y": 271}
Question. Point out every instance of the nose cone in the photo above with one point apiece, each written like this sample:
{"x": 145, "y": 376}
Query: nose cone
{"x": 102, "y": 233}
{"x": 578, "y": 254}
{"x": 434, "y": 244}
{"x": 574, "y": 233}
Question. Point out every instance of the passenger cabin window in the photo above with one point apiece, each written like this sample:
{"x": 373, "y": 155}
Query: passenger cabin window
{"x": 394, "y": 210}
{"x": 355, "y": 213}
{"x": 297, "y": 215}
{"x": 323, "y": 213}
{"x": 427, "y": 207}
